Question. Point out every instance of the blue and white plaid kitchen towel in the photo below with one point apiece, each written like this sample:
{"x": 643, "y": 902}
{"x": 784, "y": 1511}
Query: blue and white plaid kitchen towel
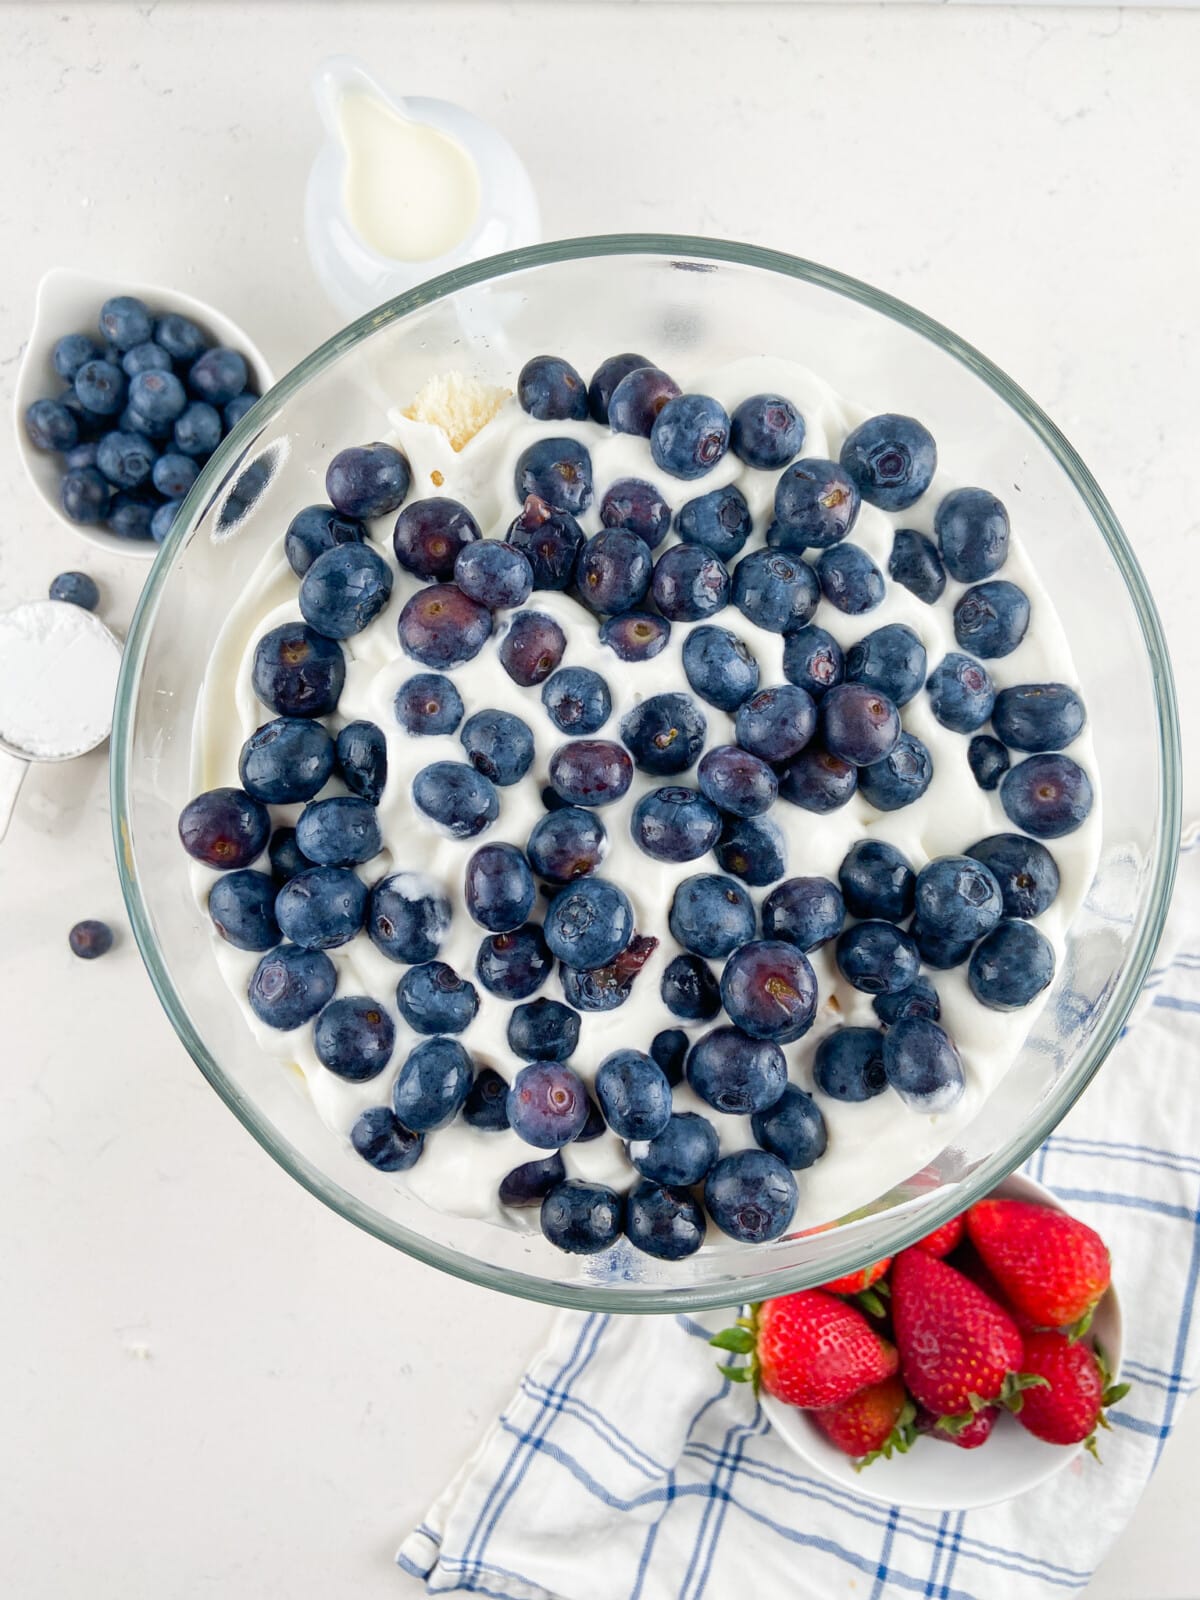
{"x": 627, "y": 1468}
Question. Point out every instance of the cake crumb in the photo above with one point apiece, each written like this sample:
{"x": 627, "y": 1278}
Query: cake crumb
{"x": 458, "y": 405}
{"x": 436, "y": 479}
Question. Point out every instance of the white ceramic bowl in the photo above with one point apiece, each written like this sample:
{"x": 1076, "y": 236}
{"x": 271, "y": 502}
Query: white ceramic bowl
{"x": 933, "y": 1475}
{"x": 69, "y": 302}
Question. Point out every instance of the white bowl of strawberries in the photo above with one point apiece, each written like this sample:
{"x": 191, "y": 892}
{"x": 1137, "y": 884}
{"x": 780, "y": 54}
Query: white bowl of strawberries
{"x": 971, "y": 1368}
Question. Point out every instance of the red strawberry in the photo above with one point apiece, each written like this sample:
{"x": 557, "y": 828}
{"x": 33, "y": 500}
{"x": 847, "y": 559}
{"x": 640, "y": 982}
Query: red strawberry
{"x": 968, "y": 1433}
{"x": 1052, "y": 1267}
{"x": 872, "y": 1423}
{"x": 808, "y": 1349}
{"x": 942, "y": 1240}
{"x": 856, "y": 1282}
{"x": 1078, "y": 1388}
{"x": 970, "y": 1264}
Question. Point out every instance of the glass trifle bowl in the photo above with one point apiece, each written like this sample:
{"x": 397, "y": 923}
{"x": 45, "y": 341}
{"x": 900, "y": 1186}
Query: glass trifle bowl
{"x": 699, "y": 303}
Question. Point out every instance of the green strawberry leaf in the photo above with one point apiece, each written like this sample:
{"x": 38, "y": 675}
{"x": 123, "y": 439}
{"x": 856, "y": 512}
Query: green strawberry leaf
{"x": 1115, "y": 1392}
{"x": 1077, "y": 1329}
{"x": 954, "y": 1425}
{"x": 1013, "y": 1386}
{"x": 868, "y": 1300}
{"x": 1089, "y": 1444}
{"x": 739, "y": 1340}
{"x": 737, "y": 1374}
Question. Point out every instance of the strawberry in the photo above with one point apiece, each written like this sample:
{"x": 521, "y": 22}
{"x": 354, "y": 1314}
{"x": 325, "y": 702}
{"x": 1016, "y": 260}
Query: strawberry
{"x": 1052, "y": 1267}
{"x": 808, "y": 1349}
{"x": 968, "y": 1434}
{"x": 1078, "y": 1388}
{"x": 872, "y": 1423}
{"x": 942, "y": 1240}
{"x": 856, "y": 1282}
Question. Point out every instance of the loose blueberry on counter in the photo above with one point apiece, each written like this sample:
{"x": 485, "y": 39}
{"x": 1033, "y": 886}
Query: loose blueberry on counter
{"x": 460, "y": 800}
{"x": 428, "y": 703}
{"x": 613, "y": 571}
{"x": 494, "y": 573}
{"x": 224, "y": 828}
{"x": 588, "y": 923}
{"x": 766, "y": 431}
{"x": 1047, "y": 795}
{"x": 532, "y": 1181}
{"x": 532, "y": 648}
{"x": 719, "y": 667}
{"x": 340, "y": 832}
{"x": 665, "y": 734}
{"x": 197, "y": 430}
{"x": 174, "y": 474}
{"x": 638, "y": 507}
{"x": 633, "y": 1094}
{"x": 635, "y": 636}
{"x": 899, "y": 778}
{"x": 131, "y": 516}
{"x": 125, "y": 321}
{"x": 551, "y": 390}
{"x": 751, "y": 1196}
{"x": 146, "y": 357}
{"x": 877, "y": 881}
{"x": 920, "y": 999}
{"x": 711, "y": 915}
{"x": 432, "y": 998}
{"x": 432, "y": 1084}
{"x": 577, "y": 700}
{"x": 285, "y": 856}
{"x": 549, "y": 540}
{"x": 238, "y": 407}
{"x": 816, "y": 505}
{"x": 916, "y": 565}
{"x": 543, "y": 1030}
{"x": 566, "y": 844}
{"x": 775, "y": 724}
{"x": 76, "y": 589}
{"x": 606, "y": 378}
{"x": 849, "y": 579}
{"x": 877, "y": 958}
{"x": 159, "y": 397}
{"x": 991, "y": 619}
{"x": 664, "y": 1222}
{"x": 892, "y": 459}
{"x": 85, "y": 495}
{"x": 775, "y": 591}
{"x": 368, "y": 480}
{"x": 958, "y": 898}
{"x": 91, "y": 939}
{"x": 922, "y": 1065}
{"x": 1025, "y": 870}
{"x": 690, "y": 583}
{"x": 50, "y": 426}
{"x": 734, "y": 1073}
{"x": 813, "y": 660}
{"x": 681, "y": 1155}
{"x": 385, "y": 1143}
{"x": 498, "y": 888}
{"x": 297, "y": 671}
{"x": 988, "y": 760}
{"x": 689, "y": 990}
{"x": 769, "y": 990}
{"x": 242, "y": 906}
{"x": 637, "y": 400}
{"x": 582, "y": 1218}
{"x": 311, "y": 532}
{"x": 792, "y": 1129}
{"x": 817, "y": 780}
{"x": 71, "y": 351}
{"x": 557, "y": 471}
{"x": 961, "y": 694}
{"x": 737, "y": 782}
{"x": 689, "y": 436}
{"x": 100, "y": 388}
{"x": 290, "y": 986}
{"x": 362, "y": 760}
{"x": 605, "y": 988}
{"x": 848, "y": 1064}
{"x": 442, "y": 627}
{"x": 1038, "y": 716}
{"x": 972, "y": 531}
{"x": 408, "y": 917}
{"x": 320, "y": 908}
{"x": 179, "y": 336}
{"x": 499, "y": 745}
{"x": 288, "y": 760}
{"x": 591, "y": 772}
{"x": 1011, "y": 966}
{"x": 514, "y": 965}
{"x": 719, "y": 520}
{"x": 890, "y": 660}
{"x": 806, "y": 912}
{"x": 486, "y": 1105}
{"x": 859, "y": 724}
{"x": 675, "y": 824}
{"x": 430, "y": 535}
{"x": 354, "y": 1038}
{"x": 547, "y": 1104}
{"x": 668, "y": 1050}
{"x": 125, "y": 459}
{"x": 753, "y": 849}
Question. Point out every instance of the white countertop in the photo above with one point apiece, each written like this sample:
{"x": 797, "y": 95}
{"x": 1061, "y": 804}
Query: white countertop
{"x": 213, "y": 1385}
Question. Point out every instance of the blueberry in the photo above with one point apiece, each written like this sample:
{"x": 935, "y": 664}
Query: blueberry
{"x": 81, "y": 455}
{"x": 486, "y": 1105}
{"x": 432, "y": 998}
{"x": 286, "y": 856}
{"x": 665, "y": 734}
{"x": 498, "y": 887}
{"x": 242, "y": 907}
{"x": 859, "y": 724}
{"x": 637, "y": 400}
{"x": 849, "y": 579}
{"x": 531, "y": 648}
{"x": 179, "y": 337}
{"x": 775, "y": 591}
{"x": 892, "y": 459}
{"x": 972, "y": 531}
{"x": 547, "y": 1104}
{"x": 776, "y": 724}
{"x": 957, "y": 898}
{"x": 766, "y": 431}
{"x": 613, "y": 571}
{"x": 663, "y": 1222}
{"x": 711, "y": 915}
{"x": 590, "y": 772}
{"x": 197, "y": 430}
{"x": 920, "y": 999}
{"x": 690, "y": 583}
{"x": 312, "y": 532}
{"x": 577, "y": 700}
{"x": 890, "y": 660}
{"x": 298, "y": 672}
{"x": 605, "y": 988}
{"x": 549, "y": 540}
{"x": 753, "y": 849}
{"x": 354, "y": 1038}
{"x": 668, "y": 1050}
{"x": 528, "y": 1184}
{"x": 988, "y": 760}
{"x": 290, "y": 986}
{"x": 339, "y": 832}
{"x": 368, "y": 480}
{"x": 848, "y": 1064}
{"x": 543, "y": 1030}
{"x": 441, "y": 627}
{"x": 737, "y": 782}
{"x": 922, "y": 1065}
{"x": 147, "y": 357}
{"x": 806, "y": 912}
{"x": 1047, "y": 795}
{"x": 218, "y": 376}
{"x": 430, "y": 534}
{"x": 458, "y": 798}
{"x": 689, "y": 990}
{"x": 689, "y": 436}
{"x": 719, "y": 667}
{"x": 224, "y": 828}
{"x": 125, "y": 459}
{"x": 1025, "y": 870}
{"x": 877, "y": 958}
{"x": 769, "y": 990}
{"x": 514, "y": 965}
{"x": 638, "y": 507}
{"x": 557, "y": 471}
{"x": 582, "y": 1218}
{"x": 71, "y": 351}
{"x": 877, "y": 881}
{"x": 345, "y": 590}
{"x": 428, "y": 703}
{"x": 158, "y": 396}
{"x": 681, "y": 1155}
{"x": 589, "y": 922}
{"x": 494, "y": 573}
{"x": 76, "y": 589}
{"x": 938, "y": 949}
{"x": 635, "y": 636}
{"x": 569, "y": 843}
{"x": 675, "y": 824}
{"x": 817, "y": 780}
{"x": 816, "y": 505}
{"x": 751, "y": 1196}
{"x": 634, "y": 1095}
{"x": 551, "y": 390}
{"x": 792, "y": 1129}
{"x": 100, "y": 388}
{"x": 606, "y": 378}
{"x": 51, "y": 426}
{"x": 916, "y": 565}
{"x": 1011, "y": 966}
{"x": 86, "y": 495}
{"x": 286, "y": 760}
{"x": 736, "y": 1074}
{"x": 961, "y": 693}
{"x": 1038, "y": 716}
{"x": 131, "y": 517}
{"x": 362, "y": 760}
{"x": 719, "y": 520}
{"x": 432, "y": 1084}
{"x": 174, "y": 474}
{"x": 813, "y": 660}
{"x": 991, "y": 619}
{"x": 379, "y": 1139}
{"x": 125, "y": 321}
{"x": 899, "y": 778}
{"x": 238, "y": 407}
{"x": 408, "y": 917}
